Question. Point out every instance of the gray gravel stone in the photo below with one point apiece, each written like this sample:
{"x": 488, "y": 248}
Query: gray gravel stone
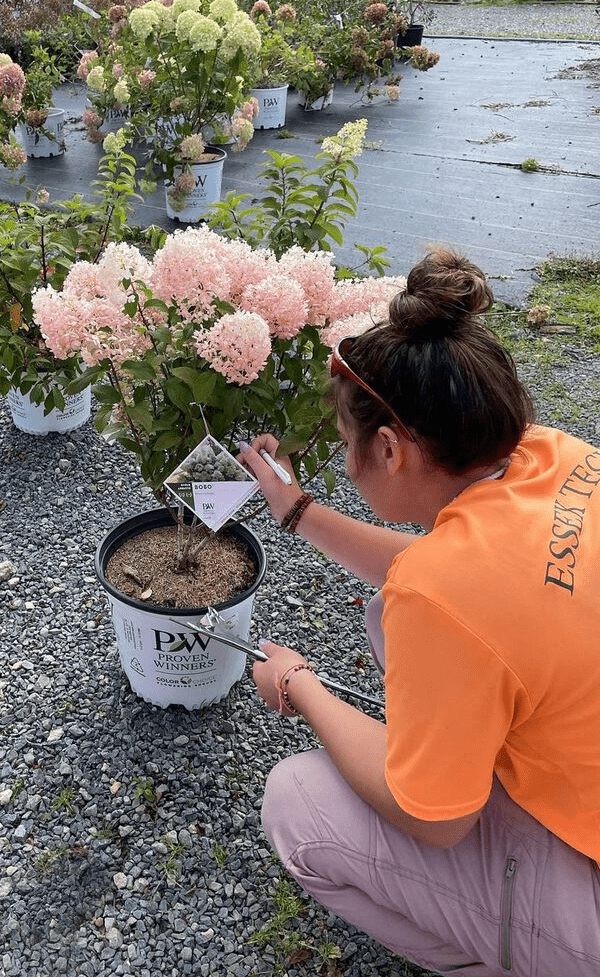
{"x": 536, "y": 20}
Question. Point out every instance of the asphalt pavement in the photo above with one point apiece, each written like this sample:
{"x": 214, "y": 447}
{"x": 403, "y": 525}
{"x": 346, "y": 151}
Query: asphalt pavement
{"x": 442, "y": 164}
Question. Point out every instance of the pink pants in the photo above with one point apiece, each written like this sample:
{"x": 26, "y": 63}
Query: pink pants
{"x": 511, "y": 898}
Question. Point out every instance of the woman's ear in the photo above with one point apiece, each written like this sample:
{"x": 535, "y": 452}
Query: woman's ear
{"x": 391, "y": 453}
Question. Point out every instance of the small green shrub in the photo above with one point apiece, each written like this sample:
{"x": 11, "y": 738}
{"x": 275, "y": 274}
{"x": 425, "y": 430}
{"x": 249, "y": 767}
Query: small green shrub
{"x": 530, "y": 165}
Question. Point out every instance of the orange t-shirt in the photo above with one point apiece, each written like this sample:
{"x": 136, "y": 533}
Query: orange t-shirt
{"x": 492, "y": 635}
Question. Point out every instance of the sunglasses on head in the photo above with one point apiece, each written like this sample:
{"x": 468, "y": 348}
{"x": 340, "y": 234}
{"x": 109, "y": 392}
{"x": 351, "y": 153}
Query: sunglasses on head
{"x": 339, "y": 367}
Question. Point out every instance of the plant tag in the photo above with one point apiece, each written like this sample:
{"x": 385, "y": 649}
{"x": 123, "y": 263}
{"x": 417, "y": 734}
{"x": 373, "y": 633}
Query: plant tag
{"x": 88, "y": 10}
{"x": 212, "y": 483}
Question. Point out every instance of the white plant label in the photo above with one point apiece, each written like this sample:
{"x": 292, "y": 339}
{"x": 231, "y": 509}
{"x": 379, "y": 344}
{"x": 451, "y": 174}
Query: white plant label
{"x": 212, "y": 483}
{"x": 86, "y": 9}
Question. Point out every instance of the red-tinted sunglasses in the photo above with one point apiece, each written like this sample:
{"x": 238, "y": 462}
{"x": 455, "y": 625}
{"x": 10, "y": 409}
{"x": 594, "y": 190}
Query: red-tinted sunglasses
{"x": 339, "y": 367}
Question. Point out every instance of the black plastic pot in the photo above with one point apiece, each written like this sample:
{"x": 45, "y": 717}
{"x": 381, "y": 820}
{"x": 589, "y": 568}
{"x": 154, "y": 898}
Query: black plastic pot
{"x": 412, "y": 37}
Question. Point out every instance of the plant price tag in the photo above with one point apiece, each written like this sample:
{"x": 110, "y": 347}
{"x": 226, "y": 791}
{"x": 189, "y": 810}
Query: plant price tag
{"x": 212, "y": 483}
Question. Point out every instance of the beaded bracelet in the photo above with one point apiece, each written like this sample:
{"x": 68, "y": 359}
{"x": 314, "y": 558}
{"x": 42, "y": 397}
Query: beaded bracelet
{"x": 284, "y": 699}
{"x": 294, "y": 515}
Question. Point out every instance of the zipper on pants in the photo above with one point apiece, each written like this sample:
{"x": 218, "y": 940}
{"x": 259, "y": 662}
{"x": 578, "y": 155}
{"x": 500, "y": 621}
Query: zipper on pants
{"x": 506, "y": 906}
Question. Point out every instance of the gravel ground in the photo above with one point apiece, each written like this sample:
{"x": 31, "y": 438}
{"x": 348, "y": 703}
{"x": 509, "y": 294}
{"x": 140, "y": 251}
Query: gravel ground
{"x": 545, "y": 19}
{"x": 130, "y": 838}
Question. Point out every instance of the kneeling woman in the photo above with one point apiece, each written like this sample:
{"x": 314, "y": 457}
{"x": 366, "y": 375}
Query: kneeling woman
{"x": 464, "y": 834}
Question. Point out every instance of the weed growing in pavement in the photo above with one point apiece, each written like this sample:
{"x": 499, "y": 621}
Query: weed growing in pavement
{"x": 530, "y": 165}
{"x": 17, "y": 786}
{"x": 171, "y": 867}
{"x": 220, "y": 854}
{"x": 288, "y": 945}
{"x": 570, "y": 285}
{"x": 568, "y": 293}
{"x": 48, "y": 858}
{"x": 144, "y": 790}
{"x": 329, "y": 955}
{"x": 106, "y": 834}
{"x": 65, "y": 706}
{"x": 64, "y": 801}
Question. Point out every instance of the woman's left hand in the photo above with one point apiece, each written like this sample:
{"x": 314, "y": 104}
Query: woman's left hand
{"x": 267, "y": 675}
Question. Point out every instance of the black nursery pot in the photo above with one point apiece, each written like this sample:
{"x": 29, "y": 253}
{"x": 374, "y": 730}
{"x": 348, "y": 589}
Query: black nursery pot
{"x": 412, "y": 37}
{"x": 166, "y": 662}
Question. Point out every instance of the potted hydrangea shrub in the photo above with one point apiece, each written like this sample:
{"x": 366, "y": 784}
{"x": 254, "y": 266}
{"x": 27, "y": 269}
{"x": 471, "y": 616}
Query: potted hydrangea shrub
{"x": 200, "y": 340}
{"x": 181, "y": 70}
{"x": 12, "y": 87}
{"x": 276, "y": 64}
{"x": 45, "y": 386}
{"x": 41, "y": 125}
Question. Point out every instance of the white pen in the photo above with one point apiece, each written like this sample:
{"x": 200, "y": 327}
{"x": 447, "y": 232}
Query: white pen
{"x": 281, "y": 472}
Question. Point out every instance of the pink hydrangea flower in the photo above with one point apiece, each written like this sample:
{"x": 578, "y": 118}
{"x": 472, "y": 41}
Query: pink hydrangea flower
{"x": 85, "y": 64}
{"x": 281, "y": 303}
{"x": 353, "y": 325}
{"x": 91, "y": 119}
{"x": 314, "y": 271}
{"x": 12, "y": 80}
{"x": 188, "y": 270}
{"x": 12, "y": 155}
{"x": 12, "y": 104}
{"x": 117, "y": 13}
{"x": 371, "y": 295}
{"x": 376, "y": 13}
{"x": 146, "y": 78}
{"x": 250, "y": 109}
{"x": 237, "y": 346}
{"x": 95, "y": 328}
{"x": 192, "y": 148}
{"x": 185, "y": 182}
{"x": 286, "y": 12}
{"x": 260, "y": 7}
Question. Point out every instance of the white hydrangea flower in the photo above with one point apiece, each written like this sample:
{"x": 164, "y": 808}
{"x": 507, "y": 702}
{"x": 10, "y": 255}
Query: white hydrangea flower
{"x": 144, "y": 21}
{"x": 121, "y": 91}
{"x": 95, "y": 79}
{"x": 223, "y": 10}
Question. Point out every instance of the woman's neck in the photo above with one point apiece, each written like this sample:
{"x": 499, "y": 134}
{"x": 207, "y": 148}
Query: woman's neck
{"x": 446, "y": 488}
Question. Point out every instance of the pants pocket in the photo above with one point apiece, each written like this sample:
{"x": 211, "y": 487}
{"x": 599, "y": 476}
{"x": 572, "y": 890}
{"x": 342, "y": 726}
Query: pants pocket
{"x": 506, "y": 910}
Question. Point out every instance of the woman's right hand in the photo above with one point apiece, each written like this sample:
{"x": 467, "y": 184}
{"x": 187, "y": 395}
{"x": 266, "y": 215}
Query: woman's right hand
{"x": 279, "y": 496}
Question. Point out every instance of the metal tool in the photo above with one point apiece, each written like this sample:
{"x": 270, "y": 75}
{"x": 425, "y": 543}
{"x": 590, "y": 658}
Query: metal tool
{"x": 208, "y": 630}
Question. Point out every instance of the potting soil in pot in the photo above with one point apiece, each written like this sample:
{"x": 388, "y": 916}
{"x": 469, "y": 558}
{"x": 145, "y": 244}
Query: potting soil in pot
{"x": 144, "y": 567}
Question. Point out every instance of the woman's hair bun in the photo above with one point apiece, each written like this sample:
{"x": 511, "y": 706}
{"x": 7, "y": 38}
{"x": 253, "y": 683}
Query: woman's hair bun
{"x": 442, "y": 293}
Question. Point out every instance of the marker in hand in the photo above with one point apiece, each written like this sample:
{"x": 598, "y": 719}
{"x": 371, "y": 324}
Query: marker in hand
{"x": 279, "y": 471}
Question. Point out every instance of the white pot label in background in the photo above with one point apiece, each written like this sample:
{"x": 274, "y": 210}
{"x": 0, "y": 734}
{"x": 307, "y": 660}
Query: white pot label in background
{"x": 212, "y": 483}
{"x": 86, "y": 9}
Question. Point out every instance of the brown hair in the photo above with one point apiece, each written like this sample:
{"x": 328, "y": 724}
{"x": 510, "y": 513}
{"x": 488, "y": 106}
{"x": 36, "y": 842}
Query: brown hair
{"x": 440, "y": 370}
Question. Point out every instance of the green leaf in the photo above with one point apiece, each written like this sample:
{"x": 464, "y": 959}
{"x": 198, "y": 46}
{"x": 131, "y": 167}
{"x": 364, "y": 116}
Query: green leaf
{"x": 179, "y": 393}
{"x": 167, "y": 440}
{"x": 105, "y": 393}
{"x": 289, "y": 445}
{"x": 310, "y": 465}
{"x": 203, "y": 385}
{"x": 185, "y": 373}
{"x": 139, "y": 369}
{"x": 141, "y": 417}
{"x": 78, "y": 384}
{"x": 329, "y": 479}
